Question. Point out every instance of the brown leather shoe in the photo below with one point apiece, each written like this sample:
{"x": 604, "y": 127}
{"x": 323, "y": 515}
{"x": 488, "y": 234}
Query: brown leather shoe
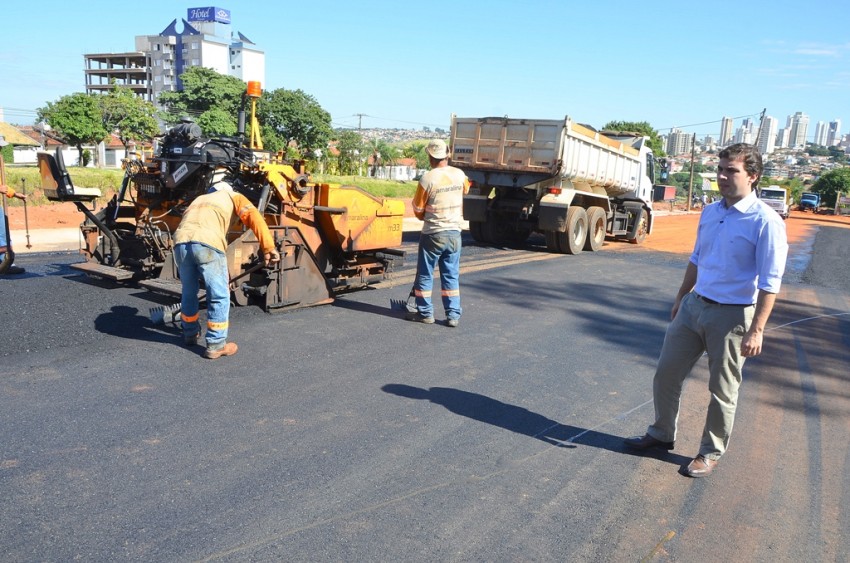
{"x": 701, "y": 466}
{"x": 229, "y": 349}
{"x": 646, "y": 442}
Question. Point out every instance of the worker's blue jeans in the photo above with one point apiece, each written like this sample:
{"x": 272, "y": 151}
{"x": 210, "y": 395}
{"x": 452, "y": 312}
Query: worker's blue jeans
{"x": 443, "y": 249}
{"x": 3, "y": 241}
{"x": 198, "y": 261}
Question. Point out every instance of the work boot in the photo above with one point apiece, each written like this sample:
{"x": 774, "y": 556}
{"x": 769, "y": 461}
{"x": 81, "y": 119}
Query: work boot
{"x": 228, "y": 349}
{"x": 191, "y": 340}
{"x": 418, "y": 317}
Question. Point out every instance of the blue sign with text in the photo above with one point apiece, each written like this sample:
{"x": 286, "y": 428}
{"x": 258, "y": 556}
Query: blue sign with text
{"x": 210, "y": 14}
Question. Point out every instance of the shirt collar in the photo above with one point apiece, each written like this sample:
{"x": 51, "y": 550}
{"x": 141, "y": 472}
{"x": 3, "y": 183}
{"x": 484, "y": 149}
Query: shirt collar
{"x": 745, "y": 203}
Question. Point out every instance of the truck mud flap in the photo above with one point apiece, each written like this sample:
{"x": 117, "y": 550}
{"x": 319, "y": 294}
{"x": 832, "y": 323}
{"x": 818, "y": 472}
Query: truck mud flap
{"x": 475, "y": 207}
{"x": 552, "y": 217}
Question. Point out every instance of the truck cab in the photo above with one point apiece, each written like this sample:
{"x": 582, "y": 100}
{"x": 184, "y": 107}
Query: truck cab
{"x": 809, "y": 201}
{"x": 777, "y": 198}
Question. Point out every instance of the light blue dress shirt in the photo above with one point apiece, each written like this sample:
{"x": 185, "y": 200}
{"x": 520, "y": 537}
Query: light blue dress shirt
{"x": 739, "y": 250}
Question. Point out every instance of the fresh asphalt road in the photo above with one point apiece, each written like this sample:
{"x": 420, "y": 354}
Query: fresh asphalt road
{"x": 344, "y": 433}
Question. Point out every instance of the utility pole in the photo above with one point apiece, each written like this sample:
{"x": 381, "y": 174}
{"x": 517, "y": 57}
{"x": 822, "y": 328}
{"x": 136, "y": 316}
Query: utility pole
{"x": 360, "y": 117}
{"x": 691, "y": 180}
{"x": 761, "y": 123}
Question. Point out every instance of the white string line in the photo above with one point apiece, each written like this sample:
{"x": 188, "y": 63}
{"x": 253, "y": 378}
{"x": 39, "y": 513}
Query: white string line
{"x": 627, "y": 413}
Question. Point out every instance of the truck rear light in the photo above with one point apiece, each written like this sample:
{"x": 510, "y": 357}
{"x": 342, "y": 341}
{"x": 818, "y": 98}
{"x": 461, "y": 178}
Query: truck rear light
{"x": 555, "y": 191}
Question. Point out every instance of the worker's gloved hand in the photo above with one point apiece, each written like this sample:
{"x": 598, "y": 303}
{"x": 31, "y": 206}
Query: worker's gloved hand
{"x": 271, "y": 257}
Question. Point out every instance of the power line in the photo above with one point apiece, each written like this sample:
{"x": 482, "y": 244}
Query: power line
{"x": 710, "y": 122}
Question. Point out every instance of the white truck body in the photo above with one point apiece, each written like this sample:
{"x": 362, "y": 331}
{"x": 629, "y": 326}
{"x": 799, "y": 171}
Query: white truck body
{"x": 777, "y": 198}
{"x": 556, "y": 177}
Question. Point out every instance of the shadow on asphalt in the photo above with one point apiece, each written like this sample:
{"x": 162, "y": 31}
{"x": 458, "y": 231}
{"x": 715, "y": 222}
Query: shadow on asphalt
{"x": 522, "y": 421}
{"x": 126, "y": 322}
{"x": 388, "y": 311}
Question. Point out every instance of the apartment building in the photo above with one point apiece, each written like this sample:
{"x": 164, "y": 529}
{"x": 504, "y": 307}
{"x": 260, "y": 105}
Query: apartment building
{"x": 204, "y": 38}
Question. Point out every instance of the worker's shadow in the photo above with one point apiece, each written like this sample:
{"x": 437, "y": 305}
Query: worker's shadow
{"x": 523, "y": 421}
{"x": 126, "y": 322}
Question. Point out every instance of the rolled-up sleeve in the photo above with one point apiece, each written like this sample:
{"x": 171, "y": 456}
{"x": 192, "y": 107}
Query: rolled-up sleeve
{"x": 251, "y": 218}
{"x": 771, "y": 254}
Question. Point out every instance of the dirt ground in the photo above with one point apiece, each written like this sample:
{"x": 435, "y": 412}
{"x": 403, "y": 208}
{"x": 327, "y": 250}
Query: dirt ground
{"x": 673, "y": 232}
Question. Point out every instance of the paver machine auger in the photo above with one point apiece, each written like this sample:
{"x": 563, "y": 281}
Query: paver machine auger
{"x": 330, "y": 237}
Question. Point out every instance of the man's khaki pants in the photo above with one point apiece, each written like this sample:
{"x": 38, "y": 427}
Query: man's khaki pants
{"x": 701, "y": 327}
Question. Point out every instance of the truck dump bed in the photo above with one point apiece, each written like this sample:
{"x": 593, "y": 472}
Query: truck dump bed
{"x": 546, "y": 148}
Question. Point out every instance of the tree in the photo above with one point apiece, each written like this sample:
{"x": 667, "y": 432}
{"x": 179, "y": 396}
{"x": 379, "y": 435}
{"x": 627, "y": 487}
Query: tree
{"x": 293, "y": 116}
{"x": 350, "y": 147}
{"x": 417, "y": 150}
{"x": 76, "y": 118}
{"x": 385, "y": 154}
{"x": 128, "y": 116}
{"x": 218, "y": 122}
{"x": 212, "y": 99}
{"x": 642, "y": 127}
{"x": 831, "y": 184}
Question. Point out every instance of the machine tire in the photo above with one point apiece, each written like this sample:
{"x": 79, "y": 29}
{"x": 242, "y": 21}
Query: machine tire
{"x": 572, "y": 241}
{"x": 641, "y": 232}
{"x": 596, "y": 229}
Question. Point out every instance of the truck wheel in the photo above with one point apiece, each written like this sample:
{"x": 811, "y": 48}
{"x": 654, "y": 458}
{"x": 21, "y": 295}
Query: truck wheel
{"x": 596, "y": 228}
{"x": 476, "y": 229}
{"x": 640, "y": 233}
{"x": 496, "y": 232}
{"x": 572, "y": 241}
{"x": 552, "y": 241}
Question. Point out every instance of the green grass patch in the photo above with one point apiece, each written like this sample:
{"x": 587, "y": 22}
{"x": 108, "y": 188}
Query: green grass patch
{"x": 27, "y": 179}
{"x": 375, "y": 186}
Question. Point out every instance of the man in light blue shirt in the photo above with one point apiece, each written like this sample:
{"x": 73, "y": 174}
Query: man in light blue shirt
{"x": 722, "y": 307}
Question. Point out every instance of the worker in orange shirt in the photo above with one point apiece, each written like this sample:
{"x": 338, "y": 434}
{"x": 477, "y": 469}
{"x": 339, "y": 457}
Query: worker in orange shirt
{"x": 200, "y": 247}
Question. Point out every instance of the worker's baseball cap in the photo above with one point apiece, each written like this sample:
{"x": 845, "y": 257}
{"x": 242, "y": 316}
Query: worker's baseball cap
{"x": 3, "y": 141}
{"x": 437, "y": 149}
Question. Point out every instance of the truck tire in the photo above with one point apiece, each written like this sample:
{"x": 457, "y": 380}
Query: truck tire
{"x": 572, "y": 241}
{"x": 498, "y": 232}
{"x": 640, "y": 233}
{"x": 597, "y": 221}
{"x": 552, "y": 241}
{"x": 476, "y": 229}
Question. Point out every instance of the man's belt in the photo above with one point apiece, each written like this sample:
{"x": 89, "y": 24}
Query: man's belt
{"x": 713, "y": 302}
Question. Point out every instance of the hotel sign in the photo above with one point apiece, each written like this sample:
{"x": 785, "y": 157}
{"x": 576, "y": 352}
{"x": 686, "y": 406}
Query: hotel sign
{"x": 210, "y": 14}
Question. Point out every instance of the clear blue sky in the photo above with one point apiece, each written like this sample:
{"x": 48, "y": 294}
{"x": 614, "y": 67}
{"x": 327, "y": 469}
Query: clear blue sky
{"x": 409, "y": 64}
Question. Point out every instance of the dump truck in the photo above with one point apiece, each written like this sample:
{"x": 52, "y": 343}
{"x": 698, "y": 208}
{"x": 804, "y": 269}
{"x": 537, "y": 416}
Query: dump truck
{"x": 330, "y": 237}
{"x": 776, "y": 198}
{"x": 567, "y": 181}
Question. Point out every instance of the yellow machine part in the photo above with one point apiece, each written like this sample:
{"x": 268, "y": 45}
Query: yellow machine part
{"x": 369, "y": 223}
{"x": 357, "y": 220}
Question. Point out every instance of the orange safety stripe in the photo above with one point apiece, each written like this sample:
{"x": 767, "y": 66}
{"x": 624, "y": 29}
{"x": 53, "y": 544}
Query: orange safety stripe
{"x": 450, "y": 292}
{"x": 420, "y": 293}
{"x": 190, "y": 318}
{"x": 217, "y": 326}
